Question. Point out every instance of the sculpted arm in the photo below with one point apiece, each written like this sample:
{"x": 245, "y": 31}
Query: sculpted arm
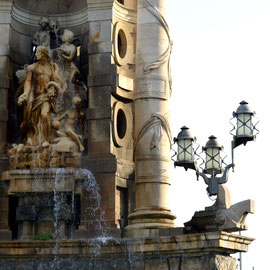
{"x": 56, "y": 75}
{"x": 27, "y": 86}
{"x": 69, "y": 55}
{"x": 35, "y": 40}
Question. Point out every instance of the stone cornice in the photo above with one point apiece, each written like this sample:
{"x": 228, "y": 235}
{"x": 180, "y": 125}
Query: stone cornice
{"x": 124, "y": 13}
{"x": 5, "y": 6}
{"x": 5, "y": 10}
{"x": 101, "y": 4}
{"x": 202, "y": 243}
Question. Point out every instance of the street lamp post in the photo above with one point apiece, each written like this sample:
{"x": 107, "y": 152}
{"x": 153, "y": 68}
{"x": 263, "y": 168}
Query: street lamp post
{"x": 213, "y": 162}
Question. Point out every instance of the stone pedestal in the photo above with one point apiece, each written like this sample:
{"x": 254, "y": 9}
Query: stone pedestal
{"x": 208, "y": 251}
{"x": 222, "y": 215}
{"x": 46, "y": 201}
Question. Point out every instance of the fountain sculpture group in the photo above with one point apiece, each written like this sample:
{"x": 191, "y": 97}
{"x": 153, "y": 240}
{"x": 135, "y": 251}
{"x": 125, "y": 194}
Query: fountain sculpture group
{"x": 53, "y": 98}
{"x": 118, "y": 126}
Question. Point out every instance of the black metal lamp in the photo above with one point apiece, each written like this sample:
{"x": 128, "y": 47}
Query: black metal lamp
{"x": 244, "y": 125}
{"x": 213, "y": 162}
{"x": 185, "y": 149}
{"x": 212, "y": 152}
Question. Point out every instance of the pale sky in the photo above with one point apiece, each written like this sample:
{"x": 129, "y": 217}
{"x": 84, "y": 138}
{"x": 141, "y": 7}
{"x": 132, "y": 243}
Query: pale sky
{"x": 221, "y": 56}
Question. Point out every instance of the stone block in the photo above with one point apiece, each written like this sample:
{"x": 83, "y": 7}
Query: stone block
{"x": 5, "y": 235}
{"x": 99, "y": 130}
{"x": 100, "y": 29}
{"x": 4, "y": 63}
{"x": 3, "y": 116}
{"x": 4, "y": 34}
{"x": 171, "y": 231}
{"x": 3, "y": 191}
{"x": 99, "y": 113}
{"x": 4, "y": 50}
{"x": 4, "y": 204}
{"x": 101, "y": 80}
{"x": 100, "y": 165}
{"x": 4, "y": 96}
{"x": 208, "y": 262}
{"x": 99, "y": 96}
{"x": 5, "y": 18}
{"x": 99, "y": 147}
{"x": 100, "y": 47}
{"x": 157, "y": 264}
{"x": 3, "y": 217}
{"x": 100, "y": 64}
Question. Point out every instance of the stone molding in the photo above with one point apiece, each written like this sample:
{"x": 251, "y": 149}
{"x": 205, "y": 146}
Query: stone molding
{"x": 5, "y": 6}
{"x": 99, "y": 14}
{"x": 99, "y": 5}
{"x": 65, "y": 20}
{"x": 5, "y": 10}
{"x": 176, "y": 244}
{"x": 124, "y": 13}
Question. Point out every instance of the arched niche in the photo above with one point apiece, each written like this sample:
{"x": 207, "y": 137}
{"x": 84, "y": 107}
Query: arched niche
{"x": 25, "y": 17}
{"x": 51, "y": 6}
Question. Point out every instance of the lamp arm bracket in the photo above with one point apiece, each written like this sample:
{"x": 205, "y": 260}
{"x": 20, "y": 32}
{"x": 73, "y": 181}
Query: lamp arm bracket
{"x": 205, "y": 178}
{"x": 225, "y": 176}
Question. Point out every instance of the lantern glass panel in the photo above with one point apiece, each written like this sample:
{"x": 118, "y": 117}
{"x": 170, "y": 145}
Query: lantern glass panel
{"x": 185, "y": 150}
{"x": 212, "y": 158}
{"x": 244, "y": 125}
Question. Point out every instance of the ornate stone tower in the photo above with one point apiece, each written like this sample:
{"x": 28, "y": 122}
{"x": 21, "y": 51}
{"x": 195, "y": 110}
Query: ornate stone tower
{"x": 127, "y": 94}
{"x": 92, "y": 79}
{"x": 105, "y": 36}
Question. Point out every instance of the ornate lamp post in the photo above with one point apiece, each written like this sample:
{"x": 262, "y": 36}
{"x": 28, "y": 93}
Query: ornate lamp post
{"x": 213, "y": 162}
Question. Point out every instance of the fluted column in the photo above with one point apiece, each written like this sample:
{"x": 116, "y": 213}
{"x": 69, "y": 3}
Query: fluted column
{"x": 152, "y": 131}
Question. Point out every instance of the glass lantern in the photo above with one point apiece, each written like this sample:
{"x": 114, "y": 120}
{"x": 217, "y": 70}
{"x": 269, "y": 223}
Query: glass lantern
{"x": 185, "y": 150}
{"x": 244, "y": 126}
{"x": 213, "y": 161}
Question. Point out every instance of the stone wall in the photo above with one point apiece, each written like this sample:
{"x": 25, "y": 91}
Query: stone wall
{"x": 209, "y": 251}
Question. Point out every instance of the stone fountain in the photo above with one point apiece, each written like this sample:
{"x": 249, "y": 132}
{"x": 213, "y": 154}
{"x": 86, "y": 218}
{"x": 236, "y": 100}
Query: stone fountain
{"x": 85, "y": 141}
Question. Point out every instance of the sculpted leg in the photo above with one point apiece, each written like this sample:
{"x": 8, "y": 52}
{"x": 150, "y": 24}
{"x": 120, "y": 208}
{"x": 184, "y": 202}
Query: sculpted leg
{"x": 46, "y": 123}
{"x": 75, "y": 137}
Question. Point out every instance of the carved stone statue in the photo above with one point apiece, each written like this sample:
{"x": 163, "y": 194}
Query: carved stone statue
{"x": 54, "y": 29}
{"x": 66, "y": 131}
{"x": 42, "y": 37}
{"x": 67, "y": 51}
{"x": 41, "y": 86}
{"x": 53, "y": 96}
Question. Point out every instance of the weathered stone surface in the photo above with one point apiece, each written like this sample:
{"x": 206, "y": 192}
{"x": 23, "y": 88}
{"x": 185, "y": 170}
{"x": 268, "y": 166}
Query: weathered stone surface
{"x": 51, "y": 7}
{"x": 193, "y": 252}
{"x": 222, "y": 215}
{"x": 208, "y": 262}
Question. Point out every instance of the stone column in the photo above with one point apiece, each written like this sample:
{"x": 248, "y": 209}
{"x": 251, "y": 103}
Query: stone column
{"x": 151, "y": 106}
{"x": 5, "y": 9}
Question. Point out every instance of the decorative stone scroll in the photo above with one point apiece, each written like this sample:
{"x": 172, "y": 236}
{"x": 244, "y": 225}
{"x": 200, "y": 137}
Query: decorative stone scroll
{"x": 165, "y": 56}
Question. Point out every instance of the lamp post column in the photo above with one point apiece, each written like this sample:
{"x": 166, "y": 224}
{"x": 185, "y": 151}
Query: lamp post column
{"x": 152, "y": 131}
